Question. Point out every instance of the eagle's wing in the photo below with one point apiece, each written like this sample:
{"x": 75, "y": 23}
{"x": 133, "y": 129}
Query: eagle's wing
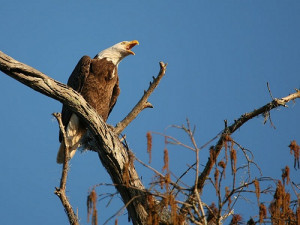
{"x": 76, "y": 81}
{"x": 114, "y": 97}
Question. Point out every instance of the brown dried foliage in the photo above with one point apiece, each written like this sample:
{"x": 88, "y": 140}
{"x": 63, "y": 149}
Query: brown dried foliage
{"x": 236, "y": 219}
{"x": 170, "y": 201}
{"x": 280, "y": 210}
{"x": 164, "y": 181}
{"x": 233, "y": 160}
{"x": 228, "y": 139}
{"x": 222, "y": 164}
{"x": 257, "y": 190}
{"x": 262, "y": 212}
{"x": 91, "y": 207}
{"x": 173, "y": 206}
{"x": 227, "y": 195}
{"x": 167, "y": 180}
{"x": 156, "y": 210}
{"x": 149, "y": 145}
{"x": 212, "y": 213}
{"x": 161, "y": 182}
{"x": 166, "y": 161}
{"x": 152, "y": 213}
{"x": 216, "y": 175}
{"x": 286, "y": 175}
{"x": 295, "y": 150}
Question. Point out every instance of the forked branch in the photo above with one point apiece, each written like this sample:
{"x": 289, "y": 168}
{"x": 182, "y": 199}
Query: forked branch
{"x": 143, "y": 103}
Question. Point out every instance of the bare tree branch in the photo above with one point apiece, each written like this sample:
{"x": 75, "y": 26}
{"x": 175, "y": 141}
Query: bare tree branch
{"x": 143, "y": 103}
{"x": 228, "y": 131}
{"x": 61, "y": 191}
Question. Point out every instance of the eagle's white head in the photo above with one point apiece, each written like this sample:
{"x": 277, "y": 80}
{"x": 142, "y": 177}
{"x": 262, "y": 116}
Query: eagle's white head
{"x": 118, "y": 51}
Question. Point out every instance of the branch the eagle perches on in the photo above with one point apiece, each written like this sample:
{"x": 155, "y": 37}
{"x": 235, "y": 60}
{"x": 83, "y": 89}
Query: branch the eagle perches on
{"x": 112, "y": 153}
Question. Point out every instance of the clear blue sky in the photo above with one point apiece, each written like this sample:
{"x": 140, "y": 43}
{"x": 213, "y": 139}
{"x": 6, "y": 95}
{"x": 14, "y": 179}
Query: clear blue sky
{"x": 220, "y": 56}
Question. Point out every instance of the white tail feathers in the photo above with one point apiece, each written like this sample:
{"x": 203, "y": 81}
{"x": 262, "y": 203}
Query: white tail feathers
{"x": 61, "y": 152}
{"x": 74, "y": 134}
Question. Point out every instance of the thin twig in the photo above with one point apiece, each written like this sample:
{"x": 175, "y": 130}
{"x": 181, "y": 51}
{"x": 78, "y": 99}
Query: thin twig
{"x": 121, "y": 209}
{"x": 61, "y": 191}
{"x": 270, "y": 91}
{"x": 175, "y": 185}
{"x": 174, "y": 140}
{"x": 184, "y": 173}
{"x": 191, "y": 136}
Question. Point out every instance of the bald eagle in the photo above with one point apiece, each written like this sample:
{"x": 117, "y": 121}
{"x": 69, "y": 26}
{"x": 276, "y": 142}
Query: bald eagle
{"x": 97, "y": 81}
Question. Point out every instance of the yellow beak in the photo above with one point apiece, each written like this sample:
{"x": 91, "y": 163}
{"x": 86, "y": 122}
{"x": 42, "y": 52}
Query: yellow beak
{"x": 130, "y": 45}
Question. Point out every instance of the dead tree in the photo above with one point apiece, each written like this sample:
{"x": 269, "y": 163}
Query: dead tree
{"x": 118, "y": 160}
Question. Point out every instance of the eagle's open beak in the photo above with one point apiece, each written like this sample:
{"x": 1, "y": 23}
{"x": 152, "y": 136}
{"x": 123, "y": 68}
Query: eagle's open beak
{"x": 130, "y": 45}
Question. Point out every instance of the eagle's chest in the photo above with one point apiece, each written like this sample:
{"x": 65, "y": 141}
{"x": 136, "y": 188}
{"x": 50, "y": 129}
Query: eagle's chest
{"x": 107, "y": 79}
{"x": 103, "y": 73}
{"x": 98, "y": 88}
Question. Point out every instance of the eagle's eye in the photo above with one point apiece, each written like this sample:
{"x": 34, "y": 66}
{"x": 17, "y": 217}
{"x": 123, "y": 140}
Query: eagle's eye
{"x": 123, "y": 43}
